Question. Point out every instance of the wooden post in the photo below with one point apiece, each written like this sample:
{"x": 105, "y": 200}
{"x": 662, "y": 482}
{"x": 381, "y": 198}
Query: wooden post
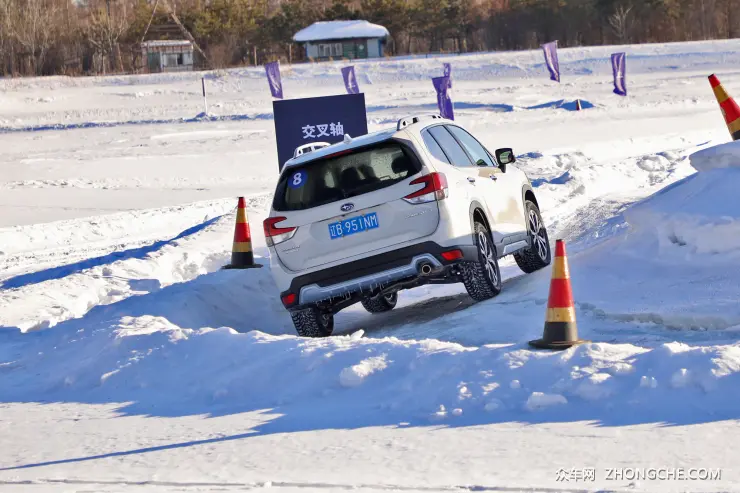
{"x": 205, "y": 99}
{"x": 255, "y": 55}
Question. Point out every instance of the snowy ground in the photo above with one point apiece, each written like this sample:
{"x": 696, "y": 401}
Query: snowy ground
{"x": 129, "y": 360}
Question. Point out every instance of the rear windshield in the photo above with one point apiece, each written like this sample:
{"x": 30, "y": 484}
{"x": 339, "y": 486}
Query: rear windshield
{"x": 364, "y": 170}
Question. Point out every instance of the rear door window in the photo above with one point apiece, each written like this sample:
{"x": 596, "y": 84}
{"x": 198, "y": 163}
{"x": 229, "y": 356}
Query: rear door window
{"x": 345, "y": 175}
{"x": 434, "y": 147}
{"x": 474, "y": 148}
{"x": 450, "y": 146}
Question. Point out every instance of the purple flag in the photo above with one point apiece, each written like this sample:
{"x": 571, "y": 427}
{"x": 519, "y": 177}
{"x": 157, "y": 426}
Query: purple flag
{"x": 350, "y": 81}
{"x": 273, "y": 77}
{"x": 619, "y": 66}
{"x": 551, "y": 59}
{"x": 448, "y": 73}
{"x": 444, "y": 102}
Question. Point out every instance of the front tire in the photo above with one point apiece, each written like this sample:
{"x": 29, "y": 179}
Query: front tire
{"x": 482, "y": 279}
{"x": 538, "y": 255}
{"x": 380, "y": 304}
{"x": 312, "y": 322}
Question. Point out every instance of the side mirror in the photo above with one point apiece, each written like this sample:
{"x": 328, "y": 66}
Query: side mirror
{"x": 505, "y": 156}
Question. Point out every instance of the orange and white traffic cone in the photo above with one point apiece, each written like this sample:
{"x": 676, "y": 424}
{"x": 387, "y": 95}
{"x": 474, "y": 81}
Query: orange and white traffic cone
{"x": 241, "y": 251}
{"x": 730, "y": 109}
{"x": 561, "y": 331}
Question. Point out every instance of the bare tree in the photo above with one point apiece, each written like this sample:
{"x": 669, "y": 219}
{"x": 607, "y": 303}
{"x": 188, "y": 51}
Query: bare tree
{"x": 6, "y": 55}
{"x": 32, "y": 26}
{"x": 621, "y": 22}
{"x": 103, "y": 30}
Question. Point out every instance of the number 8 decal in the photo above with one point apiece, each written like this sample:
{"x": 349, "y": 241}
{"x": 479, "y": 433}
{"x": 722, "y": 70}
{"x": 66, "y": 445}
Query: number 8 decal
{"x": 298, "y": 179}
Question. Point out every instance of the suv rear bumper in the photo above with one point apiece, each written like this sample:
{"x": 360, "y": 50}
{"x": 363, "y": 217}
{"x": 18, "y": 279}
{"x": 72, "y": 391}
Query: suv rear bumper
{"x": 372, "y": 274}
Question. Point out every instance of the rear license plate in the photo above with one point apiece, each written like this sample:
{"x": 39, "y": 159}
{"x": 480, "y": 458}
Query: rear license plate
{"x": 353, "y": 225}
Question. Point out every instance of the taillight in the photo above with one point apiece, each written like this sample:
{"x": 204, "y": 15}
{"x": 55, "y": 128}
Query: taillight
{"x": 451, "y": 255}
{"x": 275, "y": 235}
{"x": 434, "y": 188}
{"x": 289, "y": 299}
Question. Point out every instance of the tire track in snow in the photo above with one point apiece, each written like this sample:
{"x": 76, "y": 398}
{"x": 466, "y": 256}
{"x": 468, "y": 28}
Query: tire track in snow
{"x": 595, "y": 218}
{"x": 297, "y": 485}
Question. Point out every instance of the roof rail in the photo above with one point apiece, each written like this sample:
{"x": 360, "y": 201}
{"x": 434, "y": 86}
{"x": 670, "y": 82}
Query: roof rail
{"x": 310, "y": 147}
{"x": 410, "y": 120}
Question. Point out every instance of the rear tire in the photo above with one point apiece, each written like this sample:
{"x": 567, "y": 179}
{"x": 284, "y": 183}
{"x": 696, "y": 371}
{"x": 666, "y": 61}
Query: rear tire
{"x": 380, "y": 304}
{"x": 538, "y": 255}
{"x": 482, "y": 279}
{"x": 312, "y": 322}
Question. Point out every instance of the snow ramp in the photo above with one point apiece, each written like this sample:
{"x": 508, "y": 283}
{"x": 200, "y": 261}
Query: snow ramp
{"x": 659, "y": 299}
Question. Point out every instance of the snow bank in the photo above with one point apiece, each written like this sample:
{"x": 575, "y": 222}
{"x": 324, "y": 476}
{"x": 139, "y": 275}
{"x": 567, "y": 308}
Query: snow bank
{"x": 106, "y": 269}
{"x": 717, "y": 157}
{"x": 699, "y": 215}
{"x": 673, "y": 263}
{"x": 157, "y": 367}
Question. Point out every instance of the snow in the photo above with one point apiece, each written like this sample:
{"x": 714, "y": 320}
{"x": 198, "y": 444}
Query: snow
{"x": 539, "y": 400}
{"x": 129, "y": 359}
{"x": 167, "y": 42}
{"x": 717, "y": 157}
{"x": 329, "y": 30}
{"x": 355, "y": 375}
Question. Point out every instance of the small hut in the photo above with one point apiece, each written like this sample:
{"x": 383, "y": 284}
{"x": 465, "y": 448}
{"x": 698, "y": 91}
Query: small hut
{"x": 168, "y": 55}
{"x": 343, "y": 39}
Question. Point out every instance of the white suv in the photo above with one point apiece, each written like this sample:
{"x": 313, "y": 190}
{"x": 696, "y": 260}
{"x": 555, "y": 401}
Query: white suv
{"x": 422, "y": 203}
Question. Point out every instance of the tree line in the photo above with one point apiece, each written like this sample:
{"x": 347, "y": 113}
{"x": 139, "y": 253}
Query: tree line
{"x": 46, "y": 37}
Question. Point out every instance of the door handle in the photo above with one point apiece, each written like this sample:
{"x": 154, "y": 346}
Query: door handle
{"x": 471, "y": 179}
{"x": 494, "y": 177}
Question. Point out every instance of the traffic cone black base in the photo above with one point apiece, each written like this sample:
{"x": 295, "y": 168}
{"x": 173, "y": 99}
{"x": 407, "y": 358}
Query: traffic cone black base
{"x": 231, "y": 266}
{"x": 558, "y": 335}
{"x": 561, "y": 330}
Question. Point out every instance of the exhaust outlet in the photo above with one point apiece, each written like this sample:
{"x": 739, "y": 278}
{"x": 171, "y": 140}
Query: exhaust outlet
{"x": 425, "y": 269}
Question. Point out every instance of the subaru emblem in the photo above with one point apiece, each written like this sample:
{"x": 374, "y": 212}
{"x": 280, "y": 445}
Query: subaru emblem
{"x": 347, "y": 207}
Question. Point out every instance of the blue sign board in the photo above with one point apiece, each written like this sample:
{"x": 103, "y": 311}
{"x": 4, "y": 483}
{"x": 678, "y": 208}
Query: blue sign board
{"x": 322, "y": 119}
